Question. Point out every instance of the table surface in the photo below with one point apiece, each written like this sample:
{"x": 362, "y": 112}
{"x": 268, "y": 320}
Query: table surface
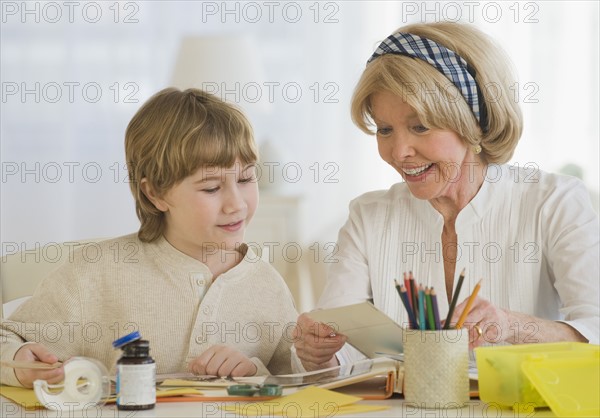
{"x": 397, "y": 408}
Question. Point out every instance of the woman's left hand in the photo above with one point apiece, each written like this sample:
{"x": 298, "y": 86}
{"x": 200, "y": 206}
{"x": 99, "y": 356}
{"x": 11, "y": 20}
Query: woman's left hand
{"x": 486, "y": 322}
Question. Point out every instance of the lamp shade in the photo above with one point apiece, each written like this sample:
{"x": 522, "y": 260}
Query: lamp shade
{"x": 229, "y": 67}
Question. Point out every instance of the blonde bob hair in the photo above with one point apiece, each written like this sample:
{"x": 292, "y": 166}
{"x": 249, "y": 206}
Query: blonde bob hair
{"x": 437, "y": 102}
{"x": 174, "y": 134}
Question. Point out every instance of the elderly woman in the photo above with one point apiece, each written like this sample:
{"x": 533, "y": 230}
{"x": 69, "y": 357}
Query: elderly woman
{"x": 438, "y": 99}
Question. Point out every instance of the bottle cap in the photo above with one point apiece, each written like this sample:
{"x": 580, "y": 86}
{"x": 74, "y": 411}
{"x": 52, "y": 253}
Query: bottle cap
{"x": 134, "y": 336}
{"x": 270, "y": 390}
{"x": 242, "y": 390}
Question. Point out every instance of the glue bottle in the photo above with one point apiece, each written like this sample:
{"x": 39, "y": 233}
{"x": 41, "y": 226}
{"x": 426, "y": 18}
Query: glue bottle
{"x": 136, "y": 374}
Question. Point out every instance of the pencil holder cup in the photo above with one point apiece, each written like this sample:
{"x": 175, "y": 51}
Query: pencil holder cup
{"x": 436, "y": 368}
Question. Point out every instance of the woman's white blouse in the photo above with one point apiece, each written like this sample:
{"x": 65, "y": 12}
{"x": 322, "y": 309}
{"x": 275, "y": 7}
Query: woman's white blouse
{"x": 531, "y": 236}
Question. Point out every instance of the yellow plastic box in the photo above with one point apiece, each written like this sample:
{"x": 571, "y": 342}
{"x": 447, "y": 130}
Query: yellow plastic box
{"x": 537, "y": 375}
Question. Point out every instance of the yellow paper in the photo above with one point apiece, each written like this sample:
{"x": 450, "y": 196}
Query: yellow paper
{"x": 24, "y": 397}
{"x": 310, "y": 402}
{"x": 218, "y": 383}
{"x": 358, "y": 409}
{"x": 194, "y": 383}
{"x": 167, "y": 393}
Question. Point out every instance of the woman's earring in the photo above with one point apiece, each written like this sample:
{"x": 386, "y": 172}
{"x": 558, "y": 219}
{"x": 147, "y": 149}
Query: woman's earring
{"x": 477, "y": 149}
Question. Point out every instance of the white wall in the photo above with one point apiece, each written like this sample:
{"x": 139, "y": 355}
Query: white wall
{"x": 53, "y": 145}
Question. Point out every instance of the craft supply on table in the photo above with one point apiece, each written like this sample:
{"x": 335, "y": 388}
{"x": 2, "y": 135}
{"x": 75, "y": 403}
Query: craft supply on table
{"x": 86, "y": 384}
{"x": 136, "y": 374}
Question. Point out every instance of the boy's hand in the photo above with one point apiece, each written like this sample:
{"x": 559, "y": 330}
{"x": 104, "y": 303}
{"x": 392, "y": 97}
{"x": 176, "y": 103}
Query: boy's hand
{"x": 221, "y": 360}
{"x": 33, "y": 352}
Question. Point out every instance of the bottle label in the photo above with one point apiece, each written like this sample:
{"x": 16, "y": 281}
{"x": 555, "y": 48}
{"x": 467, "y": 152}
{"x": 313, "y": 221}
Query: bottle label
{"x": 136, "y": 384}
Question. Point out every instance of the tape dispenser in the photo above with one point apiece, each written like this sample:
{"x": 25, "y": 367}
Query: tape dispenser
{"x": 86, "y": 384}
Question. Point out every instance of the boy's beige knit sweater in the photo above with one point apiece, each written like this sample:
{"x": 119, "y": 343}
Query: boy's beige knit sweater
{"x": 110, "y": 289}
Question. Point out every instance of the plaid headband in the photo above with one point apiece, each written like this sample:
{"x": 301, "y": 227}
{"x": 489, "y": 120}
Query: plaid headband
{"x": 447, "y": 62}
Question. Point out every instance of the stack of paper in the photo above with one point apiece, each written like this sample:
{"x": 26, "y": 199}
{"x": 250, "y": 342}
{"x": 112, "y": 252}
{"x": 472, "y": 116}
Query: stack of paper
{"x": 27, "y": 399}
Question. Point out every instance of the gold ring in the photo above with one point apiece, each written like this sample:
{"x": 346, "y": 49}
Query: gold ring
{"x": 478, "y": 329}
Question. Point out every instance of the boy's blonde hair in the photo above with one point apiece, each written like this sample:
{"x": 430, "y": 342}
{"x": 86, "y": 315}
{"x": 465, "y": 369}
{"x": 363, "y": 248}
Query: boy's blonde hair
{"x": 173, "y": 135}
{"x": 438, "y": 103}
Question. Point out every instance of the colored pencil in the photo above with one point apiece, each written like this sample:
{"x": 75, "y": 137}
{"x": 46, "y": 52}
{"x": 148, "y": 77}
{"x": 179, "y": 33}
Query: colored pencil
{"x": 455, "y": 296}
{"x": 414, "y": 294}
{"x": 397, "y": 286}
{"x": 30, "y": 364}
{"x": 436, "y": 314}
{"x": 408, "y": 289}
{"x": 411, "y": 316}
{"x": 464, "y": 314}
{"x": 422, "y": 324}
{"x": 429, "y": 303}
{"x": 403, "y": 297}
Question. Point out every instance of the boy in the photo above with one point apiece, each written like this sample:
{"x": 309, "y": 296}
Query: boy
{"x": 186, "y": 281}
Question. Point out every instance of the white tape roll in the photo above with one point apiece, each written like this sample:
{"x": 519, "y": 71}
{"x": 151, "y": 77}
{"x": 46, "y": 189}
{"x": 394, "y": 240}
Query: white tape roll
{"x": 86, "y": 384}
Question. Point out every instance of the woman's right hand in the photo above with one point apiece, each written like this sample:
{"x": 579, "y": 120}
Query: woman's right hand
{"x": 37, "y": 352}
{"x": 316, "y": 343}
